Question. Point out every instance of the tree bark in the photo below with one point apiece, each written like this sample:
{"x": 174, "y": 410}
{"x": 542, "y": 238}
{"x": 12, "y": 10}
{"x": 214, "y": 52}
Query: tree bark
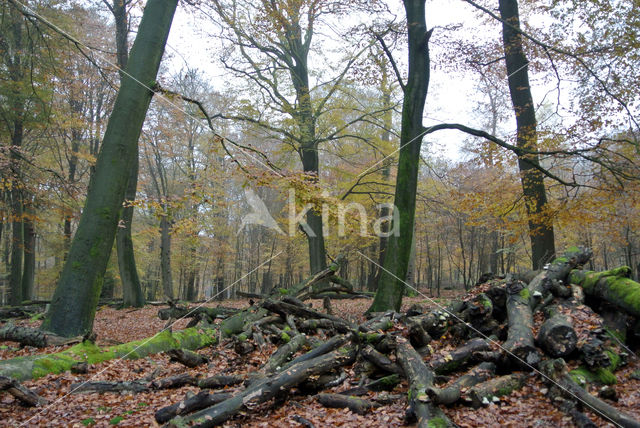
{"x": 75, "y": 298}
{"x": 165, "y": 257}
{"x": 420, "y": 380}
{"x": 535, "y": 197}
{"x": 29, "y": 248}
{"x": 398, "y": 252}
{"x": 520, "y": 335}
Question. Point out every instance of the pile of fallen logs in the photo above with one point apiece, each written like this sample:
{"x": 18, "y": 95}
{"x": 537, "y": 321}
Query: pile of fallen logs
{"x": 505, "y": 331}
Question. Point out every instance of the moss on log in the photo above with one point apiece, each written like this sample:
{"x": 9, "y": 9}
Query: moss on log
{"x": 35, "y": 366}
{"x": 613, "y": 285}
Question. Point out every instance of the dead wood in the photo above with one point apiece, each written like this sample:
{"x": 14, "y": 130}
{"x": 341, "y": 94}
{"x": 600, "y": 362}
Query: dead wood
{"x": 268, "y": 388}
{"x": 459, "y": 357}
{"x": 102, "y": 386}
{"x": 378, "y": 359}
{"x": 453, "y": 392}
{"x": 174, "y": 381}
{"x": 191, "y": 403}
{"x": 339, "y": 401}
{"x": 486, "y": 392}
{"x": 27, "y": 336}
{"x": 20, "y": 392}
{"x": 220, "y": 381}
{"x": 186, "y": 357}
{"x": 520, "y": 342}
{"x": 556, "y": 370}
{"x": 420, "y": 378}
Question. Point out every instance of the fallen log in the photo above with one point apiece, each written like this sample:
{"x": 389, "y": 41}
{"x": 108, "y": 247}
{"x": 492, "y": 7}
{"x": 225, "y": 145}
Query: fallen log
{"x": 280, "y": 356}
{"x": 453, "y": 392}
{"x": 484, "y": 393}
{"x": 378, "y": 359}
{"x": 283, "y": 309}
{"x": 614, "y": 286}
{"x": 556, "y": 371}
{"x": 186, "y": 357}
{"x": 420, "y": 379}
{"x": 569, "y": 407}
{"x": 191, "y": 403}
{"x": 339, "y": 401}
{"x": 267, "y": 389}
{"x": 220, "y": 381}
{"x": 103, "y": 386}
{"x": 22, "y": 393}
{"x": 454, "y": 360}
{"x": 557, "y": 335}
{"x": 386, "y": 383}
{"x": 519, "y": 341}
{"x": 176, "y": 312}
{"x": 557, "y": 271}
{"x": 171, "y": 382}
{"x": 27, "y": 336}
{"x": 35, "y": 366}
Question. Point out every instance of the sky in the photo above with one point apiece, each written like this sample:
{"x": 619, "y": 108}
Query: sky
{"x": 451, "y": 95}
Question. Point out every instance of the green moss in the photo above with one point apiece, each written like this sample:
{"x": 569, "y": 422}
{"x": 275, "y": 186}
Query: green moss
{"x": 36, "y": 366}
{"x": 242, "y": 337}
{"x": 286, "y": 328}
{"x": 582, "y": 375}
{"x": 560, "y": 260}
{"x": 285, "y": 337}
{"x": 76, "y": 265}
{"x": 437, "y": 423}
{"x": 283, "y": 291}
{"x": 524, "y": 293}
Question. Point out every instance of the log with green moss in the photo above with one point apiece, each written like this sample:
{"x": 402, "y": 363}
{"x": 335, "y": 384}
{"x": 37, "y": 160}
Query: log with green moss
{"x": 420, "y": 379}
{"x": 556, "y": 372}
{"x": 453, "y": 392}
{"x": 519, "y": 343}
{"x": 554, "y": 276}
{"x": 613, "y": 286}
{"x": 486, "y": 392}
{"x": 35, "y": 366}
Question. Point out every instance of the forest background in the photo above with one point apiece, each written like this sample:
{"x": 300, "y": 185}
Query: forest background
{"x": 59, "y": 83}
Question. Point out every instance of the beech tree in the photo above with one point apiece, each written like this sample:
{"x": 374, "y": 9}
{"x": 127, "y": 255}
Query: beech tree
{"x": 75, "y": 299}
{"x": 540, "y": 223}
{"x": 398, "y": 252}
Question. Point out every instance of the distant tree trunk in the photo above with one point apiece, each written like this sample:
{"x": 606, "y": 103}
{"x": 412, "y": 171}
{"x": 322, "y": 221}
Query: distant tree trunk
{"x": 540, "y": 225}
{"x": 396, "y": 261}
{"x": 165, "y": 257}
{"x": 17, "y": 248}
{"x": 29, "y": 236}
{"x": 75, "y": 299}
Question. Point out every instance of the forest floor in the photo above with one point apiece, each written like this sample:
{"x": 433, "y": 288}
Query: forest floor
{"x": 527, "y": 407}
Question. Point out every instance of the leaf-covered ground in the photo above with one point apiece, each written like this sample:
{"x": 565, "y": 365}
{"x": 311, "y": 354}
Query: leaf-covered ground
{"x": 526, "y": 407}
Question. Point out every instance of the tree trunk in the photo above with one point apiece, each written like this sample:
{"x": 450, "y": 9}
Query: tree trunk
{"x": 131, "y": 288}
{"x": 535, "y": 197}
{"x": 17, "y": 249}
{"x": 398, "y": 252}
{"x": 165, "y": 258}
{"x": 74, "y": 301}
{"x": 29, "y": 259}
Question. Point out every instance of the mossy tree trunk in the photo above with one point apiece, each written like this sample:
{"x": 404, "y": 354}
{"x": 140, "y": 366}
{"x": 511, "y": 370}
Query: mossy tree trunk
{"x": 398, "y": 252}
{"x": 131, "y": 288}
{"x": 535, "y": 197}
{"x": 74, "y": 302}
